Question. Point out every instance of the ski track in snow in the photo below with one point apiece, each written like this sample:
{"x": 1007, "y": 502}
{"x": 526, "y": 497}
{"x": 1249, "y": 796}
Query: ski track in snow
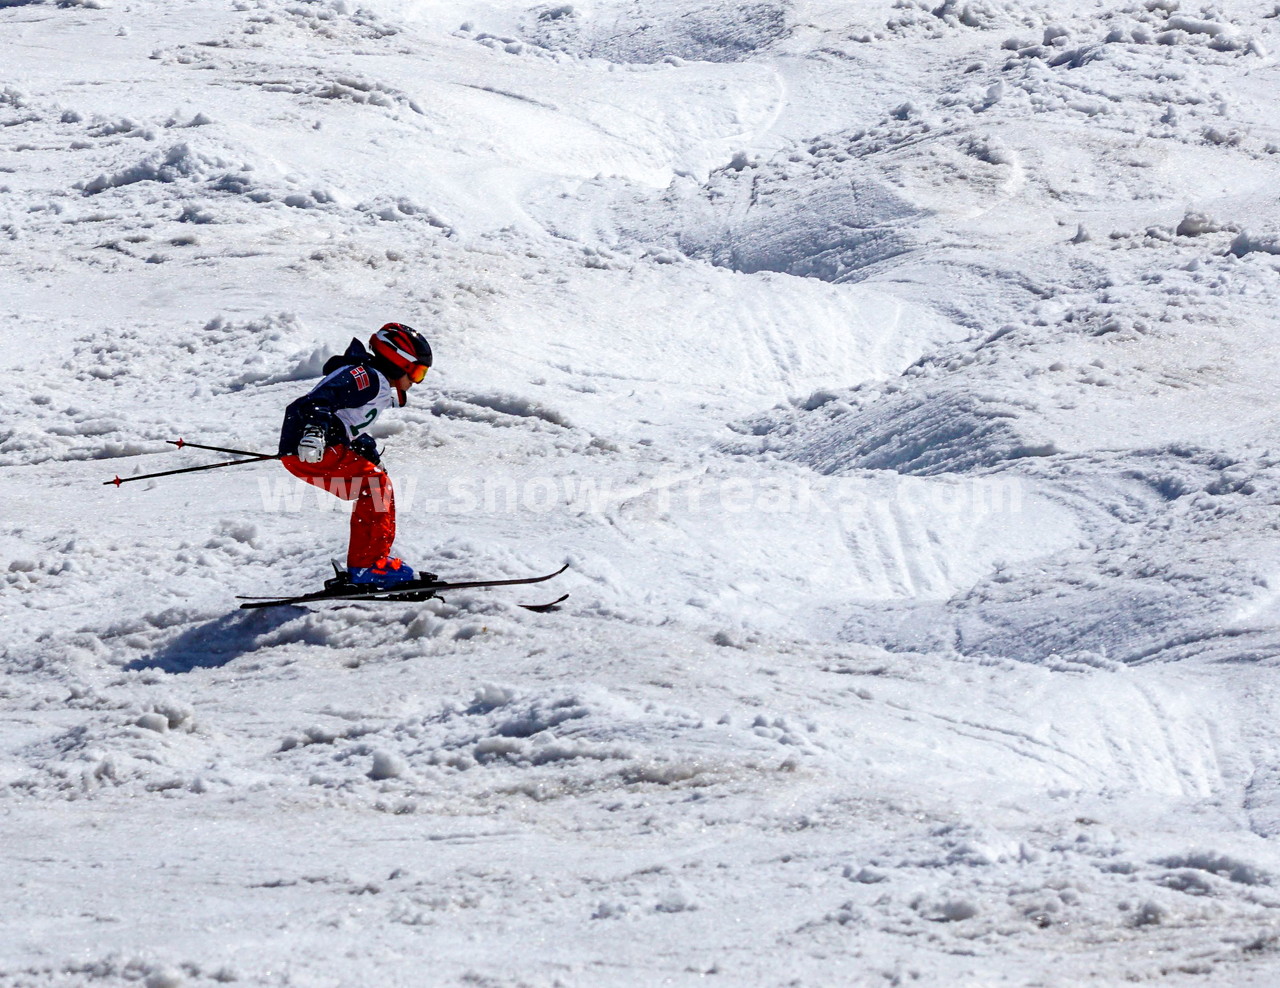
{"x": 895, "y": 379}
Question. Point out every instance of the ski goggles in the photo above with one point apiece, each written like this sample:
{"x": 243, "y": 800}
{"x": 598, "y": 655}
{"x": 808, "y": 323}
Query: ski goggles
{"x": 417, "y": 372}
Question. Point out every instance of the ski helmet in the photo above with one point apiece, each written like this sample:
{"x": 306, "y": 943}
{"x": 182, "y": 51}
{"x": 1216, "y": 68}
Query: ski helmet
{"x": 403, "y": 348}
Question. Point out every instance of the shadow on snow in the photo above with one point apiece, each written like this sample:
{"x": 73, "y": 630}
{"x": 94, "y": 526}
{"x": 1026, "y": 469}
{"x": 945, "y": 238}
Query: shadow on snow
{"x": 216, "y": 643}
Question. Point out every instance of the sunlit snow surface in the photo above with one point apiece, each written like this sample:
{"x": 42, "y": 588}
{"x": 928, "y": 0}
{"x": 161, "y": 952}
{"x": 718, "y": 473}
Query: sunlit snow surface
{"x": 897, "y": 378}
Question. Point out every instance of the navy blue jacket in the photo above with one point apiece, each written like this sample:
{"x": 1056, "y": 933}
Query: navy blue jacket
{"x": 337, "y": 391}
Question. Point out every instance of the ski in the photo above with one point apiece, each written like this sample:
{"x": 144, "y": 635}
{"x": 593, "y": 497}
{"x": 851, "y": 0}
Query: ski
{"x": 415, "y": 590}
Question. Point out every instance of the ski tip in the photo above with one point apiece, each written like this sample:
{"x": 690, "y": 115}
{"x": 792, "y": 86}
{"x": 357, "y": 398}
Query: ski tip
{"x": 253, "y": 603}
{"x": 546, "y": 608}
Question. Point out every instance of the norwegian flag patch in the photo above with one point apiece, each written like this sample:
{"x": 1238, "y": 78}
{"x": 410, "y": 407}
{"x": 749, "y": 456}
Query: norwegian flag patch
{"x": 362, "y": 377}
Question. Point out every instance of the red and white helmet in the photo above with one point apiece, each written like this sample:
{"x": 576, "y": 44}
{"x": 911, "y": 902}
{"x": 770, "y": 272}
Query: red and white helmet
{"x": 403, "y": 348}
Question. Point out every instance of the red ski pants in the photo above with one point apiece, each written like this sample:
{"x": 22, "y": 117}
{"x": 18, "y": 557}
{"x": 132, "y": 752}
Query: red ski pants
{"x": 353, "y": 478}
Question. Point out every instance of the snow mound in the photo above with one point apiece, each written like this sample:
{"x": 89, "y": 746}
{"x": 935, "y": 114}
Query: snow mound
{"x": 540, "y": 744}
{"x": 349, "y": 88}
{"x": 179, "y": 163}
{"x": 1149, "y": 584}
{"x": 661, "y": 30}
{"x": 1247, "y": 242}
{"x": 1224, "y": 865}
{"x": 150, "y": 750}
{"x": 814, "y": 209}
{"x": 495, "y": 409}
{"x": 762, "y": 219}
{"x": 923, "y": 432}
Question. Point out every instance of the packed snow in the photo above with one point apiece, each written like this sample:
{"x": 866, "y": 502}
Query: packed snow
{"x": 896, "y": 379}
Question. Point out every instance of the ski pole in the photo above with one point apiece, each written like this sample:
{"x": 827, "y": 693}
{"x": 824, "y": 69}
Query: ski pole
{"x": 258, "y": 458}
{"x": 180, "y": 443}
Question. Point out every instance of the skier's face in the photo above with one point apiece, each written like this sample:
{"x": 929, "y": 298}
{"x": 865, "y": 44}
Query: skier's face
{"x": 402, "y": 384}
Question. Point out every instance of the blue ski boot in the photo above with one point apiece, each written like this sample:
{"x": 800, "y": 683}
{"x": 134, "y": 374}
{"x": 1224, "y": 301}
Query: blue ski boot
{"x": 386, "y": 574}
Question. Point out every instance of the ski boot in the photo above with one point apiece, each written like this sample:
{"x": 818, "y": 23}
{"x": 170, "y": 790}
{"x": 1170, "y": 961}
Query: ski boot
{"x": 386, "y": 574}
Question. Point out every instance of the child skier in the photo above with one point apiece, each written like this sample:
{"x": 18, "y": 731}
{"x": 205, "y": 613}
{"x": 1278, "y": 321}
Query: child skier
{"x": 325, "y": 442}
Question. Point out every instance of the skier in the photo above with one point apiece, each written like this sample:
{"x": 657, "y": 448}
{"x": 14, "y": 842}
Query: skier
{"x": 325, "y": 442}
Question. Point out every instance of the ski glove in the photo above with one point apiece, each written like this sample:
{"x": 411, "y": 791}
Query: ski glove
{"x": 311, "y": 445}
{"x": 366, "y": 447}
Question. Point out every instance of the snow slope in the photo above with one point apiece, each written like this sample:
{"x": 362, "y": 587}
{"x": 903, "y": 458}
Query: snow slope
{"x": 894, "y": 377}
